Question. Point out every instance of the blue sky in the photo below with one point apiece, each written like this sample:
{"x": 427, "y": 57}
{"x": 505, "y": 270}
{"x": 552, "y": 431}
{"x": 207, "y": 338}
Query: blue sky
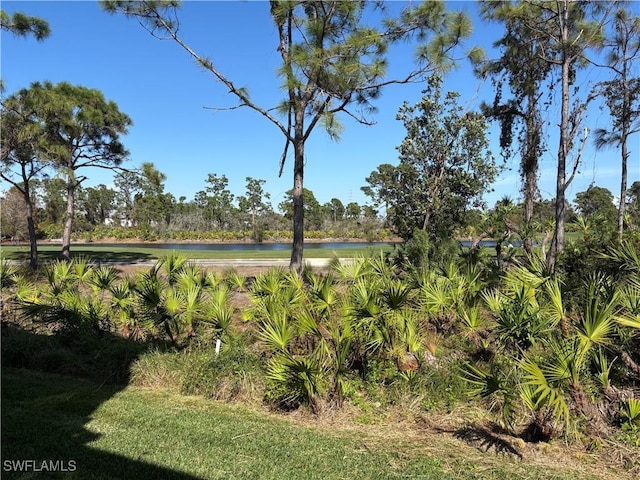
{"x": 158, "y": 85}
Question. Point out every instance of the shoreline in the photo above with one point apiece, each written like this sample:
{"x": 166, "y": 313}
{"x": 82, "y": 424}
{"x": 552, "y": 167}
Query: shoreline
{"x": 112, "y": 241}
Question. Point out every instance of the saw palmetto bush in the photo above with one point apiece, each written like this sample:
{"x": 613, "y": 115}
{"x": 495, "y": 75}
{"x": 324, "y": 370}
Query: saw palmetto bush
{"x": 325, "y": 336}
{"x": 543, "y": 357}
{"x": 553, "y": 367}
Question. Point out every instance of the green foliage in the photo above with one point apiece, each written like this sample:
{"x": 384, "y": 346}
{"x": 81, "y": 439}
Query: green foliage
{"x": 630, "y": 414}
{"x": 496, "y": 385}
{"x": 365, "y": 331}
{"x": 445, "y": 167}
{"x": 22, "y": 25}
{"x": 8, "y": 274}
{"x": 420, "y": 251}
{"x": 332, "y": 62}
{"x": 233, "y": 375}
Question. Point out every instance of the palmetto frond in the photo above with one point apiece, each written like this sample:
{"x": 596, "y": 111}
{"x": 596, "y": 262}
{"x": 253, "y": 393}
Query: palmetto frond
{"x": 189, "y": 276}
{"x": 395, "y": 294}
{"x": 539, "y": 391}
{"x": 68, "y": 308}
{"x": 59, "y": 275}
{"x": 8, "y": 274}
{"x": 103, "y": 277}
{"x": 211, "y": 279}
{"x": 173, "y": 264}
{"x": 269, "y": 283}
{"x": 294, "y": 280}
{"x": 235, "y": 280}
{"x": 625, "y": 255}
{"x": 484, "y": 384}
{"x": 495, "y": 300}
{"x": 302, "y": 376}
{"x": 630, "y": 413}
{"x": 277, "y": 331}
{"x": 381, "y": 267}
{"x": 471, "y": 318}
{"x": 123, "y": 302}
{"x": 554, "y": 306}
{"x": 81, "y": 268}
{"x": 437, "y": 297}
{"x": 322, "y": 294}
{"x": 496, "y": 385}
{"x": 218, "y": 311}
{"x": 364, "y": 299}
{"x": 599, "y": 318}
{"x": 353, "y": 269}
{"x": 630, "y": 304}
{"x": 27, "y": 292}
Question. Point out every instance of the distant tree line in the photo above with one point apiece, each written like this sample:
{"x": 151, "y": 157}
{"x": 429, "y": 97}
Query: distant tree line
{"x": 139, "y": 207}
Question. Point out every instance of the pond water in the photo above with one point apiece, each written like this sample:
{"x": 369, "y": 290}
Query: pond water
{"x": 269, "y": 246}
{"x": 239, "y": 246}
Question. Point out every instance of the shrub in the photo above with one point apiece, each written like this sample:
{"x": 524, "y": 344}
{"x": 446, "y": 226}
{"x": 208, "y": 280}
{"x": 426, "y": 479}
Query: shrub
{"x": 234, "y": 374}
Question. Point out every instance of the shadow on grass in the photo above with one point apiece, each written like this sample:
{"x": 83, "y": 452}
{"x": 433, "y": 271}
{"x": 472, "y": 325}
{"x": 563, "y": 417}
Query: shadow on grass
{"x": 486, "y": 440}
{"x": 44, "y": 416}
{"x": 48, "y": 254}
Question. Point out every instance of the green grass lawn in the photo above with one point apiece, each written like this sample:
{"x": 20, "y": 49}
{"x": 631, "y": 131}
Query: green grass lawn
{"x": 127, "y": 254}
{"x": 133, "y": 432}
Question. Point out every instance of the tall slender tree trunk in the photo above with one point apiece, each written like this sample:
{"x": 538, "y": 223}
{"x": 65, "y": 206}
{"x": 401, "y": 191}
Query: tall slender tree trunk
{"x": 529, "y": 196}
{"x": 626, "y": 127}
{"x": 31, "y": 226}
{"x": 530, "y": 170}
{"x": 558, "y": 241}
{"x": 298, "y": 205}
{"x": 623, "y": 189}
{"x": 68, "y": 222}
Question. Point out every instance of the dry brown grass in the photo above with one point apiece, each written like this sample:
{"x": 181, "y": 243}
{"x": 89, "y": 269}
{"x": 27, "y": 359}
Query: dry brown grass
{"x": 464, "y": 436}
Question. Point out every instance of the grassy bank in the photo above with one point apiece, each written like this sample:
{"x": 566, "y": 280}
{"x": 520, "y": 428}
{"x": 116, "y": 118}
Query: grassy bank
{"x": 131, "y": 254}
{"x": 134, "y": 432}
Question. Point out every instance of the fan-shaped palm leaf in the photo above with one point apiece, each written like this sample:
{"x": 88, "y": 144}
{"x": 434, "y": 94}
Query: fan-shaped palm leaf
{"x": 352, "y": 269}
{"x": 436, "y": 297}
{"x": 395, "y": 294}
{"x": 8, "y": 274}
{"x": 538, "y": 391}
{"x": 81, "y": 268}
{"x": 173, "y": 265}
{"x": 599, "y": 317}
{"x": 27, "y": 292}
{"x": 59, "y": 275}
{"x": 103, "y": 277}
{"x": 322, "y": 294}
{"x": 218, "y": 311}
{"x": 276, "y": 331}
{"x": 235, "y": 280}
{"x": 630, "y": 303}
{"x": 268, "y": 283}
{"x": 364, "y": 298}
{"x": 190, "y": 275}
{"x": 301, "y": 377}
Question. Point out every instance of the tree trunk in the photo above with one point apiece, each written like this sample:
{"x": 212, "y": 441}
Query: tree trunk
{"x": 68, "y": 222}
{"x": 33, "y": 254}
{"x": 31, "y": 227}
{"x": 530, "y": 167}
{"x": 557, "y": 244}
{"x": 298, "y": 206}
{"x": 623, "y": 188}
{"x": 529, "y": 195}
